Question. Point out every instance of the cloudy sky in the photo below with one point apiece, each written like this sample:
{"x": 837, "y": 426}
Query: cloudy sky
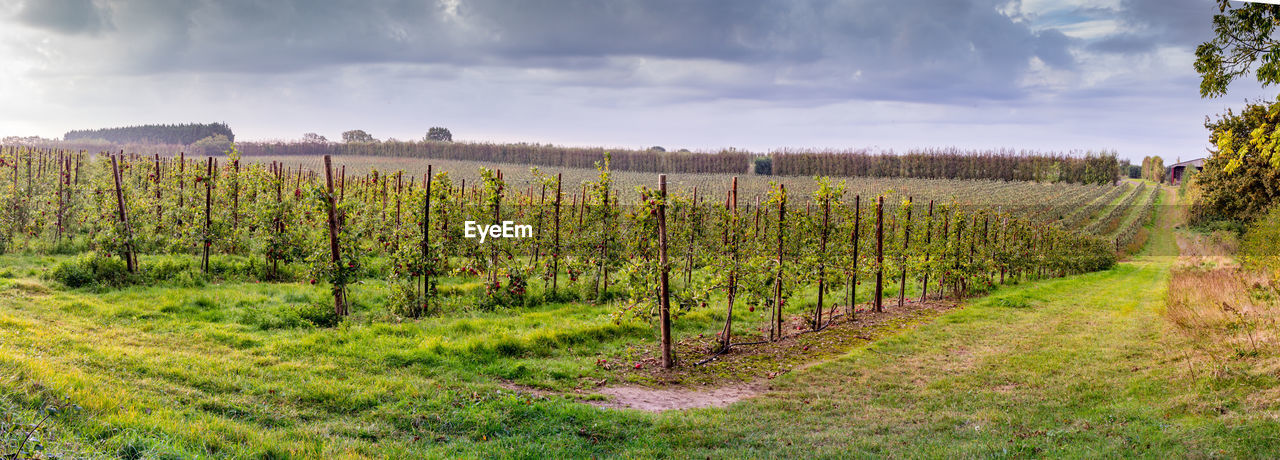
{"x": 758, "y": 75}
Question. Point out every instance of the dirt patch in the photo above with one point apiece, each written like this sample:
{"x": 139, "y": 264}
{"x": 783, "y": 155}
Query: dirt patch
{"x": 659, "y": 399}
{"x": 704, "y": 379}
{"x": 745, "y": 371}
{"x": 1007, "y": 388}
{"x": 651, "y": 399}
{"x": 756, "y": 358}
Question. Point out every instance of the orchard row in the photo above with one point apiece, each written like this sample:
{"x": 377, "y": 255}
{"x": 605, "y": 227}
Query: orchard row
{"x": 750, "y": 253}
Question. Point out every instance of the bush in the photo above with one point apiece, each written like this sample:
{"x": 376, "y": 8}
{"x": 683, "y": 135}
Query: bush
{"x": 1259, "y": 248}
{"x": 166, "y": 268}
{"x": 267, "y": 319}
{"x": 319, "y": 314}
{"x": 231, "y": 267}
{"x": 405, "y": 301}
{"x": 1236, "y": 186}
{"x": 92, "y": 269}
{"x": 764, "y": 166}
{"x": 214, "y": 145}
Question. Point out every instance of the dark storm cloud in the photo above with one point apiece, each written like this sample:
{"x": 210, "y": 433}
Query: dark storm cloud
{"x": 1177, "y": 22}
{"x": 1124, "y": 43}
{"x": 819, "y": 49}
{"x": 1149, "y": 24}
{"x": 63, "y": 16}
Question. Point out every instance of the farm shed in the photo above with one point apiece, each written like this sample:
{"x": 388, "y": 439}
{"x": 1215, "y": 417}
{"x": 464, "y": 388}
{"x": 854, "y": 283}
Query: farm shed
{"x": 1177, "y": 170}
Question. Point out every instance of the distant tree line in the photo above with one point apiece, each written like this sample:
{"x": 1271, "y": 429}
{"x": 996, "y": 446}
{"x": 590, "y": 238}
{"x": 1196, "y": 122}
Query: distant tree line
{"x": 1090, "y": 168}
{"x": 182, "y": 134}
{"x": 727, "y": 161}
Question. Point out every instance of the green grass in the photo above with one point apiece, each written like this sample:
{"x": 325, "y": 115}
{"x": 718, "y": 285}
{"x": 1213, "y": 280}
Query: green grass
{"x": 1074, "y": 367}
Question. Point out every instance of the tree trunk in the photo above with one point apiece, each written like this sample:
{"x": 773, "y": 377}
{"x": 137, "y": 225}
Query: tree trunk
{"x": 664, "y": 305}
{"x": 879, "y": 305}
{"x": 130, "y": 262}
{"x": 906, "y": 241}
{"x": 339, "y": 290}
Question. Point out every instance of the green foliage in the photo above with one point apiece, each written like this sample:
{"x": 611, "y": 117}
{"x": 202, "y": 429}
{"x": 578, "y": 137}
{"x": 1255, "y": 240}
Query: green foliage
{"x": 1089, "y": 168}
{"x": 210, "y": 146}
{"x": 763, "y": 165}
{"x": 439, "y": 134}
{"x": 1242, "y": 37}
{"x": 1262, "y": 142}
{"x": 37, "y": 434}
{"x": 319, "y": 314}
{"x": 1260, "y": 247}
{"x": 91, "y": 269}
{"x": 1153, "y": 169}
{"x": 440, "y": 387}
{"x": 270, "y": 223}
{"x": 357, "y": 136}
{"x": 95, "y": 269}
{"x": 643, "y": 160}
{"x": 181, "y": 134}
{"x": 1240, "y": 181}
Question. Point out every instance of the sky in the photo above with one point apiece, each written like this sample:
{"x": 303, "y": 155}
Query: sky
{"x": 1050, "y": 75}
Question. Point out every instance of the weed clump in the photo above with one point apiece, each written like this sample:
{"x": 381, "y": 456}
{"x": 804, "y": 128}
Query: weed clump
{"x": 92, "y": 270}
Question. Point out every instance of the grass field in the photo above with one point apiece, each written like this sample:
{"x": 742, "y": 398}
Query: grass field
{"x": 1085, "y": 366}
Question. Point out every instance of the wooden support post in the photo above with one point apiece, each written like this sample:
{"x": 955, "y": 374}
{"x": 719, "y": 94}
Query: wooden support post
{"x": 555, "y": 256}
{"x": 127, "y": 251}
{"x": 582, "y": 211}
{"x": 537, "y": 233}
{"x": 399, "y": 188}
{"x": 156, "y": 183}
{"x": 879, "y": 302}
{"x": 726, "y": 336}
{"x": 958, "y": 281}
{"x": 928, "y": 245}
{"x": 62, "y": 174}
{"x": 235, "y": 201}
{"x": 756, "y": 231}
{"x": 428, "y": 258}
{"x": 497, "y": 220}
{"x": 339, "y": 290}
{"x": 776, "y": 324}
{"x": 664, "y": 305}
{"x": 902, "y": 260}
{"x": 853, "y": 240}
{"x": 822, "y": 263}
{"x": 182, "y": 179}
{"x": 208, "y": 218}
{"x": 695, "y": 224}
{"x": 946, "y": 235}
{"x": 1004, "y": 246}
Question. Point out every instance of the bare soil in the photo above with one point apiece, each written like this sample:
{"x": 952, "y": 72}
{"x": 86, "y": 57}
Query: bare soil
{"x": 702, "y": 378}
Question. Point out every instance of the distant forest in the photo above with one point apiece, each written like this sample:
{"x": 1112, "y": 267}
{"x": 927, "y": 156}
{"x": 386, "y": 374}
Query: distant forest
{"x": 1087, "y": 168}
{"x": 653, "y": 160}
{"x": 1073, "y": 167}
{"x": 182, "y": 134}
